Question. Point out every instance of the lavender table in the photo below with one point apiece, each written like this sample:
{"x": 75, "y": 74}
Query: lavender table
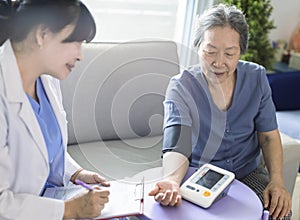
{"x": 240, "y": 203}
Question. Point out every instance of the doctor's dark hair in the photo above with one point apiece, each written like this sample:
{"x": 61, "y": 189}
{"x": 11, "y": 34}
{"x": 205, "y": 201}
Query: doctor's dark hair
{"x": 221, "y": 16}
{"x": 19, "y": 18}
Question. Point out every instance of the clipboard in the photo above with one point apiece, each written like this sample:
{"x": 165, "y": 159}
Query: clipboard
{"x": 125, "y": 199}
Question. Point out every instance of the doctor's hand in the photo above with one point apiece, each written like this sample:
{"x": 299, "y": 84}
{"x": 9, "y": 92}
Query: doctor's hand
{"x": 87, "y": 204}
{"x": 90, "y": 177}
{"x": 278, "y": 199}
{"x": 167, "y": 193}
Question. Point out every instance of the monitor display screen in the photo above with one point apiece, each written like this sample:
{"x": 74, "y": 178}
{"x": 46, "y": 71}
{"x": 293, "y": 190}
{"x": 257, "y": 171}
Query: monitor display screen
{"x": 209, "y": 179}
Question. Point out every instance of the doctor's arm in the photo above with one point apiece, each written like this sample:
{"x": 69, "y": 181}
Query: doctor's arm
{"x": 33, "y": 206}
{"x": 89, "y": 177}
{"x": 88, "y": 204}
{"x": 276, "y": 196}
{"x": 73, "y": 170}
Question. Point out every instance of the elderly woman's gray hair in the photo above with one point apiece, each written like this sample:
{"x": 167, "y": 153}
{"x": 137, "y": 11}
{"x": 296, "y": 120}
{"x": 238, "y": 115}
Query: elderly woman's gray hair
{"x": 220, "y": 16}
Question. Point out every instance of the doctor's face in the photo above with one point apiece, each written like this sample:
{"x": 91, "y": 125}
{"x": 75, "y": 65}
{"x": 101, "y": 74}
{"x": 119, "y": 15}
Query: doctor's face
{"x": 219, "y": 53}
{"x": 59, "y": 57}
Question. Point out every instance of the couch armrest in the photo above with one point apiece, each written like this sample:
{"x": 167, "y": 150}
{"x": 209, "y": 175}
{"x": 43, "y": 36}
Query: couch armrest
{"x": 291, "y": 160}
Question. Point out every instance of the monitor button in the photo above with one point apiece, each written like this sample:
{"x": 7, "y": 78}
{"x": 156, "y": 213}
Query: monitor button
{"x": 190, "y": 187}
{"x": 206, "y": 193}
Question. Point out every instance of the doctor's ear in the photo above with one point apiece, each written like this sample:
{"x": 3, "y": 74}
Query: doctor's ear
{"x": 41, "y": 35}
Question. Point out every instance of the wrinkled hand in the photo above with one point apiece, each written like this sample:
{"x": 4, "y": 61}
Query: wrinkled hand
{"x": 92, "y": 177}
{"x": 87, "y": 204}
{"x": 278, "y": 199}
{"x": 167, "y": 193}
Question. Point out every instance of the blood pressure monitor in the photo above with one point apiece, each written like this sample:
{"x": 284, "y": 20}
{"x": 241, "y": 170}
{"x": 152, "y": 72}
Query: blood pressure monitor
{"x": 206, "y": 185}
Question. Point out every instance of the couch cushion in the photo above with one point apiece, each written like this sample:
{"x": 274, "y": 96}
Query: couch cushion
{"x": 119, "y": 158}
{"x": 285, "y": 90}
{"x": 117, "y": 91}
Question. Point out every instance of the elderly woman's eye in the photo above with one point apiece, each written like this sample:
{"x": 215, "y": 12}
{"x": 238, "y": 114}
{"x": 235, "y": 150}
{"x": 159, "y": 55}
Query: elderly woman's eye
{"x": 210, "y": 52}
{"x": 229, "y": 54}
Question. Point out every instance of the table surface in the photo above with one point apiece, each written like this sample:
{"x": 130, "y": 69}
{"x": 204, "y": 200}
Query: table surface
{"x": 240, "y": 203}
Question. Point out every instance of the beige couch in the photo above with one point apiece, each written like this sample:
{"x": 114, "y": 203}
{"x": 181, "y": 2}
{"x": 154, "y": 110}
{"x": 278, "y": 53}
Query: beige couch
{"x": 113, "y": 100}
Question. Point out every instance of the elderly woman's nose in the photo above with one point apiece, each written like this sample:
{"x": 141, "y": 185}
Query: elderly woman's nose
{"x": 219, "y": 60}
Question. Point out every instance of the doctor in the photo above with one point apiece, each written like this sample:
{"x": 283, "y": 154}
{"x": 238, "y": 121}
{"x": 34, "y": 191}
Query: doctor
{"x": 40, "y": 44}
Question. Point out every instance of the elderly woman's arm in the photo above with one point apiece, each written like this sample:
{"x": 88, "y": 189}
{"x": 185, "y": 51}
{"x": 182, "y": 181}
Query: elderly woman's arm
{"x": 276, "y": 196}
{"x": 167, "y": 191}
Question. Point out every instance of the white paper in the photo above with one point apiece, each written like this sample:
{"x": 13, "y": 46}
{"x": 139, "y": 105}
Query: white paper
{"x": 125, "y": 199}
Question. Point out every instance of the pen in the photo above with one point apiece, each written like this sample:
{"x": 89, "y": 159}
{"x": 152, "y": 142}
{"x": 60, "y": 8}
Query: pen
{"x": 84, "y": 185}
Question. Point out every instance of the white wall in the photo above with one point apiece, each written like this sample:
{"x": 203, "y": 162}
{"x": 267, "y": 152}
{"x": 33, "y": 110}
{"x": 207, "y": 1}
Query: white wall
{"x": 286, "y": 15}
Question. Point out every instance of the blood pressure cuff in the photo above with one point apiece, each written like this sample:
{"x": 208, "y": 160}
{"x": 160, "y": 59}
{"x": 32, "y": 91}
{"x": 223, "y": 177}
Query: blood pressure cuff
{"x": 178, "y": 138}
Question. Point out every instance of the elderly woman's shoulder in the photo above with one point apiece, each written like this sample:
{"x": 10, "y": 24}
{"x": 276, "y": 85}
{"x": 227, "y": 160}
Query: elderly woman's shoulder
{"x": 189, "y": 72}
{"x": 247, "y": 66}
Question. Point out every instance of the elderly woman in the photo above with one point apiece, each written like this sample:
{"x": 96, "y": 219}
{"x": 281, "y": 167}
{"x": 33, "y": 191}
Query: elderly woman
{"x": 221, "y": 112}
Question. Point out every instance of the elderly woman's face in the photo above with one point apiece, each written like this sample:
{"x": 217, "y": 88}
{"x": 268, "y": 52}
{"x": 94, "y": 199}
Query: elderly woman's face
{"x": 219, "y": 53}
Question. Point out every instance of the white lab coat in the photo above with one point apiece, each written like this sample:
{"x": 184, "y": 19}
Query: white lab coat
{"x": 24, "y": 164}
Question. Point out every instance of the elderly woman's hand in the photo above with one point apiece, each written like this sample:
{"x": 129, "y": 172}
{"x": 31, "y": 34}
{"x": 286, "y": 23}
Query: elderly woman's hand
{"x": 167, "y": 193}
{"x": 278, "y": 199}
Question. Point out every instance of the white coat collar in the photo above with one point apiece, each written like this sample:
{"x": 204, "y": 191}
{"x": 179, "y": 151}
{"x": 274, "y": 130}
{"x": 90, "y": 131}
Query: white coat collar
{"x": 16, "y": 94}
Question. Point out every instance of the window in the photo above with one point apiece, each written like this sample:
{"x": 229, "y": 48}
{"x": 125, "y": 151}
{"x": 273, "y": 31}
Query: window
{"x": 127, "y": 20}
